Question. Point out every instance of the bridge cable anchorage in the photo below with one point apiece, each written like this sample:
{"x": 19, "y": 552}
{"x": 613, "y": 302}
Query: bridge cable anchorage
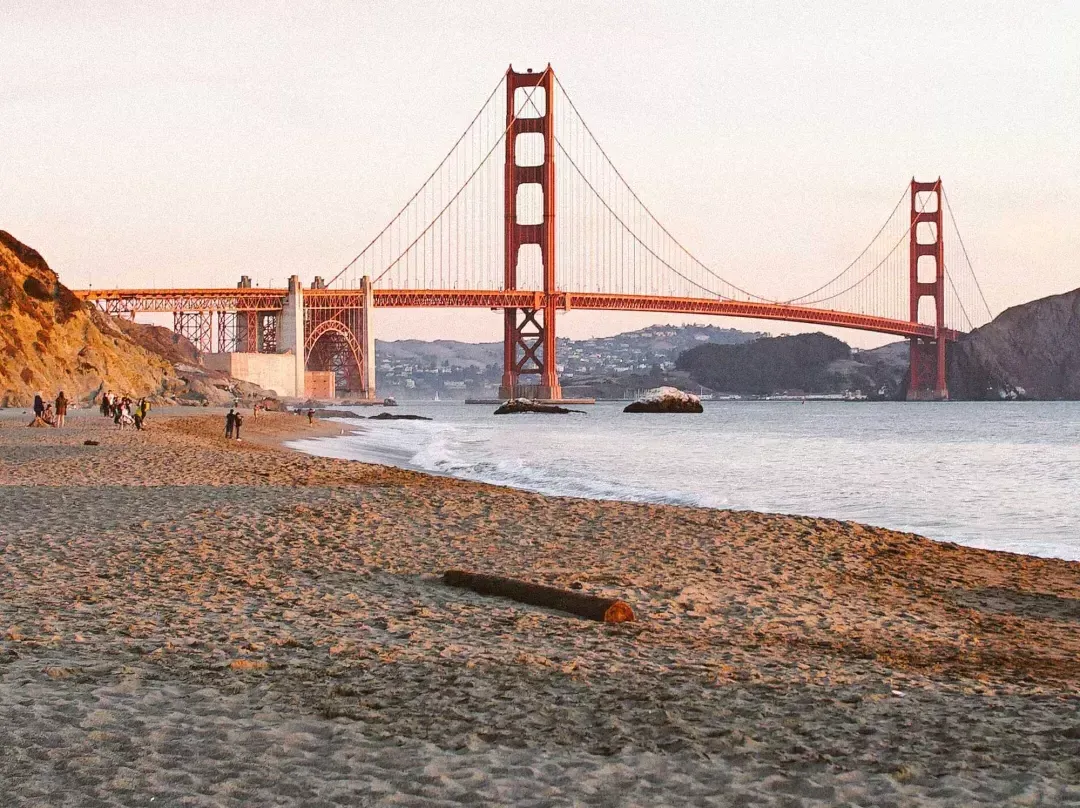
{"x": 412, "y": 199}
{"x": 469, "y": 179}
{"x": 645, "y": 207}
{"x": 971, "y": 268}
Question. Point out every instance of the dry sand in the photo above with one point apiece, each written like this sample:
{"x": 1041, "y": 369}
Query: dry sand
{"x": 205, "y": 622}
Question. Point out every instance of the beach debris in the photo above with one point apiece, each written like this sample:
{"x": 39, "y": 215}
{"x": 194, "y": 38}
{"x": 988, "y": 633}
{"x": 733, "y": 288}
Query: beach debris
{"x": 243, "y": 664}
{"x": 516, "y": 406}
{"x": 666, "y": 399}
{"x": 90, "y": 443}
{"x": 607, "y": 610}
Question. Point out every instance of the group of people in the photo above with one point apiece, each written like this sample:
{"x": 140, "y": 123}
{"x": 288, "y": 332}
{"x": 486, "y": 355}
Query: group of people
{"x": 124, "y": 411}
{"x": 233, "y": 422}
{"x": 44, "y": 411}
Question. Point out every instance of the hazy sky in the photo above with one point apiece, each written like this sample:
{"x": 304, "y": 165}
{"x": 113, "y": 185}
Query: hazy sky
{"x": 158, "y": 144}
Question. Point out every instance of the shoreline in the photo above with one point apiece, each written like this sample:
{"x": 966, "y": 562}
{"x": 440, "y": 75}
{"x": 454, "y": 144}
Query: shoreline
{"x": 963, "y": 529}
{"x": 167, "y": 590}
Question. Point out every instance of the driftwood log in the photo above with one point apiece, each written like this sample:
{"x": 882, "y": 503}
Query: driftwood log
{"x": 607, "y": 610}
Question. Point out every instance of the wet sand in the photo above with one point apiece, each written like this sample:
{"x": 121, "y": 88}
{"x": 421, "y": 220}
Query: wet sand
{"x": 207, "y": 622}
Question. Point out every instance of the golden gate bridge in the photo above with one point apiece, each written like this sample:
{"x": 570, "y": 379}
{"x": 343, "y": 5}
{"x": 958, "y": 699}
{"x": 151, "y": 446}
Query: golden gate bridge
{"x": 496, "y": 226}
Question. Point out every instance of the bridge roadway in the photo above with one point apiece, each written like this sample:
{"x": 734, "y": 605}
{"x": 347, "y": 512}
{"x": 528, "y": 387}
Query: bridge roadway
{"x": 131, "y": 301}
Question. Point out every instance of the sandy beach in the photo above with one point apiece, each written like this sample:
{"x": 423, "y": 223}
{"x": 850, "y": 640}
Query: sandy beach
{"x": 197, "y": 621}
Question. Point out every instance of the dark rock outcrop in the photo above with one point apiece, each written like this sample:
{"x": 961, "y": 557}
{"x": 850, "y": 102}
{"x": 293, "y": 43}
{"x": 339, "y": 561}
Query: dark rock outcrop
{"x": 389, "y": 416}
{"x": 329, "y": 413}
{"x": 1028, "y": 351}
{"x": 516, "y": 406}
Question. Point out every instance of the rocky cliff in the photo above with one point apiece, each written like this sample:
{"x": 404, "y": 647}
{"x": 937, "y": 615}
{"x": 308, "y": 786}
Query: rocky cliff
{"x": 1032, "y": 350}
{"x": 51, "y": 341}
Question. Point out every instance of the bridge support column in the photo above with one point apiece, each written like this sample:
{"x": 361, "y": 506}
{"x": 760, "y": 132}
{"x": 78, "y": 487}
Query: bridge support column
{"x": 927, "y": 280}
{"x": 197, "y": 326}
{"x": 367, "y": 336}
{"x": 290, "y": 335}
{"x": 529, "y": 334}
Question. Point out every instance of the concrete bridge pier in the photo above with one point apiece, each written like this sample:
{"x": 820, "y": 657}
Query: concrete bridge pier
{"x": 291, "y": 333}
{"x": 367, "y": 336}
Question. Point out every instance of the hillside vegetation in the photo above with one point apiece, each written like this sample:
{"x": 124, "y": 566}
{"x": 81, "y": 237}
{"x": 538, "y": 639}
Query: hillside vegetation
{"x": 770, "y": 365}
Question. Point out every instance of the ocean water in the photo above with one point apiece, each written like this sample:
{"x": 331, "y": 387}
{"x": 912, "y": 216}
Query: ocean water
{"x": 1003, "y": 476}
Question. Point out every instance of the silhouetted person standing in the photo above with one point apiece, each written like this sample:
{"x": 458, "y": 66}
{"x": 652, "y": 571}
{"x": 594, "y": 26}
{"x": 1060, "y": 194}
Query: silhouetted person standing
{"x": 61, "y": 408}
{"x": 230, "y": 423}
{"x": 39, "y": 406}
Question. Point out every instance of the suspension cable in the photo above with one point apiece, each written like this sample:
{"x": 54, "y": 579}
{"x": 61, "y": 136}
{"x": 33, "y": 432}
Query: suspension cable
{"x": 631, "y": 232}
{"x": 468, "y": 179}
{"x": 959, "y": 299}
{"x": 960, "y": 238}
{"x": 880, "y": 263}
{"x": 866, "y": 249}
{"x": 423, "y": 186}
{"x": 645, "y": 207}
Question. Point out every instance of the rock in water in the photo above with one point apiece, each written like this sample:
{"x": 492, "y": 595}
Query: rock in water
{"x": 331, "y": 413}
{"x": 666, "y": 399}
{"x": 519, "y": 405}
{"x": 389, "y": 416}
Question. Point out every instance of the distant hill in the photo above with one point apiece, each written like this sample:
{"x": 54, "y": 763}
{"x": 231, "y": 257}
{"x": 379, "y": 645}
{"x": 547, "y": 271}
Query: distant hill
{"x": 646, "y": 345}
{"x": 803, "y": 363}
{"x": 436, "y": 352}
{"x": 1032, "y": 350}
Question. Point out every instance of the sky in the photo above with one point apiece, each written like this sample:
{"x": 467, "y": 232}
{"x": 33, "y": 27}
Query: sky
{"x": 185, "y": 144}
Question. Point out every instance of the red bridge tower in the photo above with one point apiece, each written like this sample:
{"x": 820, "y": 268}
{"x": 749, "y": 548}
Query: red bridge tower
{"x": 927, "y": 382}
{"x": 529, "y": 334}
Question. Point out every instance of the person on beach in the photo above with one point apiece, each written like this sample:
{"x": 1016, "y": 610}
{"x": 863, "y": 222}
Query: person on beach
{"x": 230, "y": 423}
{"x": 237, "y": 422}
{"x": 39, "y": 406}
{"x": 142, "y": 411}
{"x": 61, "y": 408}
{"x": 311, "y": 416}
{"x": 48, "y": 416}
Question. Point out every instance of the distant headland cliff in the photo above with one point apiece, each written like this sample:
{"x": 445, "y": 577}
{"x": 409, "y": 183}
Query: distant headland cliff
{"x": 1029, "y": 351}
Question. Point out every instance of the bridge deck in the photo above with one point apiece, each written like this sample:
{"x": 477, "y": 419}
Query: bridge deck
{"x": 170, "y": 300}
